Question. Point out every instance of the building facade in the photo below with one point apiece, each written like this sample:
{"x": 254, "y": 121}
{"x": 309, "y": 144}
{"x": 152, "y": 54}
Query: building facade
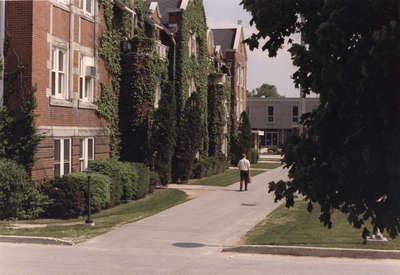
{"x": 276, "y": 118}
{"x": 57, "y": 43}
{"x": 230, "y": 42}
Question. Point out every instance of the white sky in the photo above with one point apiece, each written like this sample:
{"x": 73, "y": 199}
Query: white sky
{"x": 260, "y": 68}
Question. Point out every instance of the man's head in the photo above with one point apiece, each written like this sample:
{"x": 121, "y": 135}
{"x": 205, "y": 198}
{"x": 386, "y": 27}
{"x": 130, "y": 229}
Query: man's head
{"x": 243, "y": 156}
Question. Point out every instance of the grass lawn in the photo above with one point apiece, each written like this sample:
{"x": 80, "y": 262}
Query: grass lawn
{"x": 296, "y": 226}
{"x": 224, "y": 179}
{"x": 266, "y": 165}
{"x": 75, "y": 230}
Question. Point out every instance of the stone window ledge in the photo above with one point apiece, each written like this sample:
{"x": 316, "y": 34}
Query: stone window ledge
{"x": 60, "y": 102}
{"x": 86, "y": 105}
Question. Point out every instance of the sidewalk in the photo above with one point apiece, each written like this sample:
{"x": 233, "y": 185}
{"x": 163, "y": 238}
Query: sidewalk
{"x": 214, "y": 221}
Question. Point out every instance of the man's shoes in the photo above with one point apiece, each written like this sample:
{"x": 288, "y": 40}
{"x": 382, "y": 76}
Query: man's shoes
{"x": 245, "y": 189}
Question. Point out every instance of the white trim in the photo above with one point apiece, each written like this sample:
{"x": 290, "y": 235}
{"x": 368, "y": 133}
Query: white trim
{"x": 154, "y": 7}
{"x": 84, "y": 152}
{"x": 61, "y": 156}
{"x": 60, "y": 131}
{"x": 122, "y": 6}
{"x": 184, "y": 4}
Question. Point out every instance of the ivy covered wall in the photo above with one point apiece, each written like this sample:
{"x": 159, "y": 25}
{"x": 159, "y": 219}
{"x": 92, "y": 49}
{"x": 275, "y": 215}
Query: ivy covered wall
{"x": 194, "y": 66}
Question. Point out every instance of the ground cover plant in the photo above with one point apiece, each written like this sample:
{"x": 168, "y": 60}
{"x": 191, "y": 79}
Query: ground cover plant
{"x": 266, "y": 165}
{"x": 224, "y": 179}
{"x": 75, "y": 230}
{"x": 297, "y": 227}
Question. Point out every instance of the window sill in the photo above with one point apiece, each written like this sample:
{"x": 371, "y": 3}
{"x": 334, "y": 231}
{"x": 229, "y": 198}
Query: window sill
{"x": 87, "y": 16}
{"x": 61, "y": 102}
{"x": 86, "y": 105}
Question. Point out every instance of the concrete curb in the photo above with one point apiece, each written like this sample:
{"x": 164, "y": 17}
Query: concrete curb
{"x": 34, "y": 240}
{"x": 315, "y": 251}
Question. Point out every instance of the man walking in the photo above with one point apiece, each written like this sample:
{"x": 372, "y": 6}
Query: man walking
{"x": 244, "y": 167}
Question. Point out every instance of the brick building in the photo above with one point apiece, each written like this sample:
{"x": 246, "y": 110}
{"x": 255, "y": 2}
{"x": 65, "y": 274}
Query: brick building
{"x": 57, "y": 42}
{"x": 230, "y": 42}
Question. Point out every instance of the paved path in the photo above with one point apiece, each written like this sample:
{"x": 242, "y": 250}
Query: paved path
{"x": 186, "y": 239}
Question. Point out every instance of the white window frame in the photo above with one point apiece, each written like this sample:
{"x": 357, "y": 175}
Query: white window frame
{"x": 84, "y": 156}
{"x": 65, "y": 2}
{"x": 157, "y": 94}
{"x": 86, "y": 93}
{"x": 59, "y": 75}
{"x": 83, "y": 4}
{"x": 192, "y": 86}
{"x": 61, "y": 161}
{"x": 190, "y": 45}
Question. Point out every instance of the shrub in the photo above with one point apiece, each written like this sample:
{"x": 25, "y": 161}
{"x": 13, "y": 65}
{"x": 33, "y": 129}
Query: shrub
{"x": 67, "y": 195}
{"x": 111, "y": 168}
{"x": 154, "y": 181}
{"x": 19, "y": 197}
{"x": 143, "y": 181}
{"x": 209, "y": 166}
{"x": 253, "y": 155}
{"x": 99, "y": 189}
{"x": 124, "y": 178}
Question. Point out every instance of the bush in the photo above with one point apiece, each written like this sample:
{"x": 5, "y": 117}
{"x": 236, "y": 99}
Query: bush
{"x": 253, "y": 155}
{"x": 67, "y": 195}
{"x": 209, "y": 166}
{"x": 143, "y": 180}
{"x": 111, "y": 168}
{"x": 99, "y": 189}
{"x": 124, "y": 178}
{"x": 19, "y": 197}
{"x": 154, "y": 181}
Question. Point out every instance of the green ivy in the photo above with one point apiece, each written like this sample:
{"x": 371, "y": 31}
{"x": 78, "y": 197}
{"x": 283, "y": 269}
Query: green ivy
{"x": 196, "y": 66}
{"x": 110, "y": 51}
{"x": 218, "y": 96}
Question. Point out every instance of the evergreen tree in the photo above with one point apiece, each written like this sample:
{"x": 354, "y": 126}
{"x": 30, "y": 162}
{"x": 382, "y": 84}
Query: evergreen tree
{"x": 164, "y": 134}
{"x": 189, "y": 139}
{"x": 244, "y": 134}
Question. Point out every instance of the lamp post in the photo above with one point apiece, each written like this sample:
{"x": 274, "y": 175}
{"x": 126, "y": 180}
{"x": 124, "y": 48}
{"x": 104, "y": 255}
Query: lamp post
{"x": 89, "y": 221}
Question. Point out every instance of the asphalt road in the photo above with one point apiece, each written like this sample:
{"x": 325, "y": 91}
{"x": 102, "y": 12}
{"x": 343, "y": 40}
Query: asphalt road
{"x": 186, "y": 239}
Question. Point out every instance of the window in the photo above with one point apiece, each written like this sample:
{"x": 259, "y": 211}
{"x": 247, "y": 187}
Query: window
{"x": 295, "y": 113}
{"x": 270, "y": 113}
{"x": 87, "y": 6}
{"x": 192, "y": 86}
{"x": 193, "y": 45}
{"x": 161, "y": 50}
{"x": 86, "y": 152}
{"x": 87, "y": 78}
{"x": 271, "y": 139}
{"x": 58, "y": 73}
{"x": 157, "y": 95}
{"x": 62, "y": 156}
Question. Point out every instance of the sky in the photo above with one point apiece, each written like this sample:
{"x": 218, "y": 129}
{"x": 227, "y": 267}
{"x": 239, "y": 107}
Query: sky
{"x": 260, "y": 68}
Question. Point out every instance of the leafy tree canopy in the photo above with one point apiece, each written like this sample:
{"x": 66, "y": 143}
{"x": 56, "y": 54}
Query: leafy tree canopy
{"x": 265, "y": 90}
{"x": 349, "y": 156}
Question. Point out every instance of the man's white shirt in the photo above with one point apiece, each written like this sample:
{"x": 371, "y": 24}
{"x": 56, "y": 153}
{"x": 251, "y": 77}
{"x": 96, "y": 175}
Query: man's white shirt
{"x": 244, "y": 164}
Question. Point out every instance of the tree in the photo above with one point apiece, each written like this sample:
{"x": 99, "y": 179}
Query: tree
{"x": 348, "y": 158}
{"x": 244, "y": 140}
{"x": 267, "y": 90}
{"x": 163, "y": 140}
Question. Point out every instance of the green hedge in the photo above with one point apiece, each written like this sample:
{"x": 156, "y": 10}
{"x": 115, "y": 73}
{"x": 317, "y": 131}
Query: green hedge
{"x": 254, "y": 155}
{"x": 154, "y": 181}
{"x": 143, "y": 182}
{"x": 67, "y": 195}
{"x": 124, "y": 178}
{"x": 208, "y": 166}
{"x": 19, "y": 197}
